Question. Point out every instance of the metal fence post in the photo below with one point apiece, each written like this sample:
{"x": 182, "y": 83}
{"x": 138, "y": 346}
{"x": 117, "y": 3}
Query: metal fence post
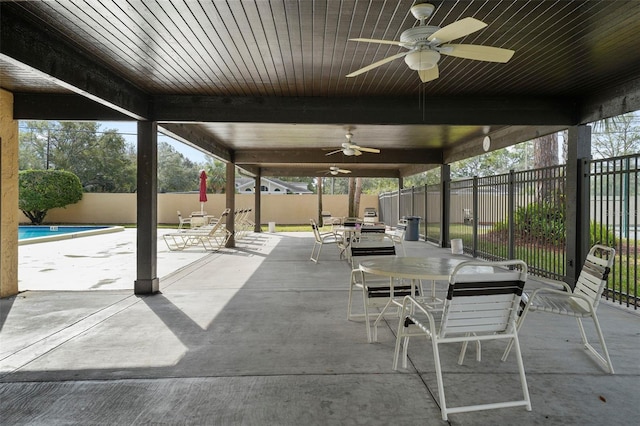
{"x": 445, "y": 204}
{"x": 511, "y": 208}
{"x": 474, "y": 249}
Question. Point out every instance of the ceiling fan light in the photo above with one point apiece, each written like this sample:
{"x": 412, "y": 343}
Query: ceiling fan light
{"x": 349, "y": 151}
{"x": 422, "y": 59}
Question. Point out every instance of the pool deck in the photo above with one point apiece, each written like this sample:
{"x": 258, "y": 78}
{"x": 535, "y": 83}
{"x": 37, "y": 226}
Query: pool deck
{"x": 258, "y": 335}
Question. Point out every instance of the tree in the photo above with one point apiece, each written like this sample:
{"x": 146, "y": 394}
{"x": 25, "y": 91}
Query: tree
{"x": 216, "y": 175}
{"x": 616, "y": 137}
{"x": 42, "y": 190}
{"x": 175, "y": 172}
{"x": 103, "y": 161}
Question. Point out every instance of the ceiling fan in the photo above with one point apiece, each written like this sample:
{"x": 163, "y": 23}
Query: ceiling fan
{"x": 425, "y": 44}
{"x": 350, "y": 149}
{"x": 334, "y": 170}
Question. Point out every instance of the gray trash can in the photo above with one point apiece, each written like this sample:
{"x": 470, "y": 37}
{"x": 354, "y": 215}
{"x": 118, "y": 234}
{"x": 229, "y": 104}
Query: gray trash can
{"x": 413, "y": 228}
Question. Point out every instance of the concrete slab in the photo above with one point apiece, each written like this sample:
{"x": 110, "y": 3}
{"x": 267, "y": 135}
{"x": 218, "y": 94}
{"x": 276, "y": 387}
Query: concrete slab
{"x": 258, "y": 335}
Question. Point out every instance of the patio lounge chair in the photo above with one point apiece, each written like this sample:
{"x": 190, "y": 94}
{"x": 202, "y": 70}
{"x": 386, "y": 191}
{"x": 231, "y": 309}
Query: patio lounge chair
{"x": 478, "y": 307}
{"x": 580, "y": 303}
{"x": 211, "y": 237}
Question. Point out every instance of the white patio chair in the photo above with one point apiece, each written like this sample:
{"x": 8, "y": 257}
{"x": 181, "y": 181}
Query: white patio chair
{"x": 321, "y": 239}
{"x": 478, "y": 307}
{"x": 580, "y": 303}
{"x": 183, "y": 220}
{"x": 397, "y": 235}
{"x": 376, "y": 290}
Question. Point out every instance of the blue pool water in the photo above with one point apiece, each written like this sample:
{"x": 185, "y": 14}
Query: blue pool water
{"x": 27, "y": 232}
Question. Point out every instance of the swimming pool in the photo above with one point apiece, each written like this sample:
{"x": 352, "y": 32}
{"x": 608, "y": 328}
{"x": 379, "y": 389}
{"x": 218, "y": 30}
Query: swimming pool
{"x": 31, "y": 234}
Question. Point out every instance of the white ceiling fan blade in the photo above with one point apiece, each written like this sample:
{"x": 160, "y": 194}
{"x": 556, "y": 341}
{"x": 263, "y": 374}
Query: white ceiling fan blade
{"x": 334, "y": 152}
{"x": 357, "y": 152}
{"x": 377, "y": 64}
{"x": 430, "y": 74}
{"x": 343, "y": 171}
{"x": 373, "y": 150}
{"x": 456, "y": 30}
{"x": 477, "y": 52}
{"x": 373, "y": 40}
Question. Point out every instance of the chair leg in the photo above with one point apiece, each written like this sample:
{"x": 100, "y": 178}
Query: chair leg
{"x": 441, "y": 397}
{"x": 523, "y": 377}
{"x": 519, "y": 323}
{"x": 605, "y": 360}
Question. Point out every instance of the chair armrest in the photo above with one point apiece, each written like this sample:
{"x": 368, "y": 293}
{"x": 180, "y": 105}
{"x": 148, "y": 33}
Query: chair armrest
{"x": 554, "y": 284}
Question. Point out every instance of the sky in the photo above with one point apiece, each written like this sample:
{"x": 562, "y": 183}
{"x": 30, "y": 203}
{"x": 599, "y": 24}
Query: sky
{"x": 129, "y": 130}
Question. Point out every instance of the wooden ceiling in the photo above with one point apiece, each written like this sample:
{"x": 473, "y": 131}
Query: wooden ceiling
{"x": 262, "y": 83}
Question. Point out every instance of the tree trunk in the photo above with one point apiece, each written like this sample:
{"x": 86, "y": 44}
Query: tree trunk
{"x": 352, "y": 193}
{"x": 356, "y": 197}
{"x": 545, "y": 154}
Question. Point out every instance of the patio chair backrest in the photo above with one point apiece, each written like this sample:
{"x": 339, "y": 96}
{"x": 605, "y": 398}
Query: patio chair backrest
{"x": 316, "y": 231}
{"x": 594, "y": 274}
{"x": 483, "y": 303}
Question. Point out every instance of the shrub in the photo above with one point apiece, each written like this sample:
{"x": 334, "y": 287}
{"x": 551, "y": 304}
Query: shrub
{"x": 42, "y": 190}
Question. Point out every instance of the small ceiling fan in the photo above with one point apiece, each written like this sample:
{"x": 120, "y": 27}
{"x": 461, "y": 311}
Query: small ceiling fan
{"x": 350, "y": 149}
{"x": 334, "y": 170}
{"x": 425, "y": 44}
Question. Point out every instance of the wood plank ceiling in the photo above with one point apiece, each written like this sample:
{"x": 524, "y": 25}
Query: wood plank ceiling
{"x": 263, "y": 83}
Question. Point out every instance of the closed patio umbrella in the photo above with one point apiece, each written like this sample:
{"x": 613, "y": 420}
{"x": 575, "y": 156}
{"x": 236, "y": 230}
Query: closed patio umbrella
{"x": 203, "y": 190}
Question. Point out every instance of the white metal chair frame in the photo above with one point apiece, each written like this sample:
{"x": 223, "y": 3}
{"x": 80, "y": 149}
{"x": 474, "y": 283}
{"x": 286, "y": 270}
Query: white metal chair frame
{"x": 581, "y": 302}
{"x": 375, "y": 291}
{"x": 211, "y": 237}
{"x": 321, "y": 239}
{"x": 183, "y": 220}
{"x": 477, "y": 308}
{"x": 397, "y": 235}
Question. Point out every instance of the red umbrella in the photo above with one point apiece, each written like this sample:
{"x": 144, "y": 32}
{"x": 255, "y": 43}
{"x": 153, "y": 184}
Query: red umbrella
{"x": 203, "y": 190}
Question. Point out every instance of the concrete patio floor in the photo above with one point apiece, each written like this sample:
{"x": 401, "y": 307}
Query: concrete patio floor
{"x": 258, "y": 336}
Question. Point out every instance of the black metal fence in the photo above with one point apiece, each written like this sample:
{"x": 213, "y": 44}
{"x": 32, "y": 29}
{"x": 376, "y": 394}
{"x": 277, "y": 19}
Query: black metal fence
{"x": 523, "y": 215}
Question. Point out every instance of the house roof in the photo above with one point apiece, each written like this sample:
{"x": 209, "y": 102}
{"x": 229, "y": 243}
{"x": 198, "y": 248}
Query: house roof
{"x": 295, "y": 187}
{"x": 262, "y": 84}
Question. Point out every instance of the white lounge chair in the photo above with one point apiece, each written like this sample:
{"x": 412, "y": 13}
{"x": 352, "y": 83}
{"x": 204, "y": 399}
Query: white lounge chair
{"x": 211, "y": 237}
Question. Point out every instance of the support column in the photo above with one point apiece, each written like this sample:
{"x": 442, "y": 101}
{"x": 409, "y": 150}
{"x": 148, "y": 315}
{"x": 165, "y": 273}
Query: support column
{"x": 399, "y": 206}
{"x": 257, "y": 202}
{"x": 445, "y": 204}
{"x": 319, "y": 218}
{"x": 577, "y": 201}
{"x": 8, "y": 197}
{"x": 230, "y": 193}
{"x": 147, "y": 281}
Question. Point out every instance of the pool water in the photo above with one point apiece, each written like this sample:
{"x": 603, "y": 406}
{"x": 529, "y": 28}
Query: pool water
{"x": 41, "y": 233}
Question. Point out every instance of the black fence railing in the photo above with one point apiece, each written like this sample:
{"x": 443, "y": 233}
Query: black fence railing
{"x": 523, "y": 215}
{"x": 614, "y": 221}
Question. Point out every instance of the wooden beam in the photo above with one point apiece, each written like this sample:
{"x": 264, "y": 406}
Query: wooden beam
{"x": 388, "y": 155}
{"x": 30, "y": 46}
{"x": 192, "y": 135}
{"x": 502, "y": 138}
{"x": 610, "y": 103}
{"x": 56, "y": 106}
{"x": 464, "y": 110}
{"x": 311, "y": 172}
